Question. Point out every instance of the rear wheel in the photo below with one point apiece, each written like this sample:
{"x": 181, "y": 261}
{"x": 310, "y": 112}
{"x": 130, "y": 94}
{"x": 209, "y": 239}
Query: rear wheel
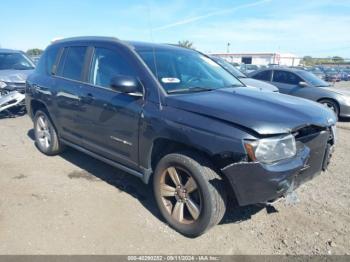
{"x": 46, "y": 138}
{"x": 331, "y": 105}
{"x": 190, "y": 194}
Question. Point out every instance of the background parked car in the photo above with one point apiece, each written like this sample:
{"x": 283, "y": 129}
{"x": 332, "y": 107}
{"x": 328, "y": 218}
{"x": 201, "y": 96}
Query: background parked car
{"x": 317, "y": 72}
{"x": 246, "y": 80}
{"x": 15, "y": 66}
{"x": 247, "y": 68}
{"x": 305, "y": 84}
{"x": 344, "y": 74}
{"x": 332, "y": 75}
{"x": 35, "y": 59}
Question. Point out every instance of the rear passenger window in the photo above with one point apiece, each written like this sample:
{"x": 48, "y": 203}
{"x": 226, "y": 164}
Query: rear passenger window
{"x": 107, "y": 64}
{"x": 264, "y": 75}
{"x": 286, "y": 77}
{"x": 72, "y": 62}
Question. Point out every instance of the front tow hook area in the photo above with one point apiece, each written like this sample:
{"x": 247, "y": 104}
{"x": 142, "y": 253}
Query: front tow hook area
{"x": 290, "y": 196}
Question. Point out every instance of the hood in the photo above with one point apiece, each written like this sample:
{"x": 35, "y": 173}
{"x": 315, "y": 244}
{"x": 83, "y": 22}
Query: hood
{"x": 265, "y": 113}
{"x": 16, "y": 76}
{"x": 263, "y": 86}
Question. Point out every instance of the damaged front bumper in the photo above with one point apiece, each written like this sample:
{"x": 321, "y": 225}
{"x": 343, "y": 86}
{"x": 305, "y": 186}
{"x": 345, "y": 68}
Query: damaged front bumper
{"x": 254, "y": 182}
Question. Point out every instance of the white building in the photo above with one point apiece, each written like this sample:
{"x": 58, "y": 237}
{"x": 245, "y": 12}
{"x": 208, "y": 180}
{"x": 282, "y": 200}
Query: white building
{"x": 283, "y": 59}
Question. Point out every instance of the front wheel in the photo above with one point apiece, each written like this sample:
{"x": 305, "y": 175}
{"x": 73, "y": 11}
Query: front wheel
{"x": 190, "y": 194}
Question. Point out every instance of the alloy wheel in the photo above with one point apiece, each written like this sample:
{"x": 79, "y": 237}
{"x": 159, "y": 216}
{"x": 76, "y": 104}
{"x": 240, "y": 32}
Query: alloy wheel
{"x": 43, "y": 134}
{"x": 180, "y": 195}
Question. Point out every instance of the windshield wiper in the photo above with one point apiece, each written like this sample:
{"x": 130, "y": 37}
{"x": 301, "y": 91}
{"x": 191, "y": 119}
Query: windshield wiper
{"x": 190, "y": 90}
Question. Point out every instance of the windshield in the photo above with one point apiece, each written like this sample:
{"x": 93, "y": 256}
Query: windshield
{"x": 187, "y": 71}
{"x": 312, "y": 79}
{"x": 15, "y": 61}
{"x": 233, "y": 70}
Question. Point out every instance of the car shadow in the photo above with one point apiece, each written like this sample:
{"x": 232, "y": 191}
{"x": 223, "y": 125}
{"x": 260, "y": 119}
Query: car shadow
{"x": 344, "y": 119}
{"x": 8, "y": 114}
{"x": 94, "y": 170}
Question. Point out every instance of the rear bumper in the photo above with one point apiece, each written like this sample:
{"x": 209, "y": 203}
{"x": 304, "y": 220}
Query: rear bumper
{"x": 258, "y": 183}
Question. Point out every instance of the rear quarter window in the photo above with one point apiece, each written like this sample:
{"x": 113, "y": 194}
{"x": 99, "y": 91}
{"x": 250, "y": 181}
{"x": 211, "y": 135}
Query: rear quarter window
{"x": 47, "y": 61}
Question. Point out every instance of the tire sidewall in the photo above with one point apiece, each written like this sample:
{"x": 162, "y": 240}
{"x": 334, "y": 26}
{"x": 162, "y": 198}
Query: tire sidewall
{"x": 52, "y": 132}
{"x": 196, "y": 170}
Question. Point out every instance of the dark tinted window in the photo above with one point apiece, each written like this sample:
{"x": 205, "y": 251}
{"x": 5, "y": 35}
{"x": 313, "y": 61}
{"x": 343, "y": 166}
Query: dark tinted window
{"x": 47, "y": 60}
{"x": 51, "y": 57}
{"x": 107, "y": 64}
{"x": 286, "y": 77}
{"x": 72, "y": 62}
{"x": 264, "y": 75}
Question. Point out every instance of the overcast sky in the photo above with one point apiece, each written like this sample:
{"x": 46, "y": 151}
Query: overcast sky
{"x": 314, "y": 27}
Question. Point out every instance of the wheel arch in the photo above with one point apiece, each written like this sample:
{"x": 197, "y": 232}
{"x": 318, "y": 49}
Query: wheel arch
{"x": 330, "y": 99}
{"x": 164, "y": 146}
{"x": 35, "y": 105}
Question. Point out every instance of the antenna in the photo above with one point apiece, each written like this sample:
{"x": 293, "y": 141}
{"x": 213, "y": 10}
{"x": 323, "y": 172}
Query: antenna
{"x": 153, "y": 51}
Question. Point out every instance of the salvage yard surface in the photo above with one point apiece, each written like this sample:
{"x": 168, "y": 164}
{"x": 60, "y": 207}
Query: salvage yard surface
{"x": 74, "y": 204}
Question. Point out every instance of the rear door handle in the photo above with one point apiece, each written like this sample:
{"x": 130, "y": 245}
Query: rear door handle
{"x": 87, "y": 99}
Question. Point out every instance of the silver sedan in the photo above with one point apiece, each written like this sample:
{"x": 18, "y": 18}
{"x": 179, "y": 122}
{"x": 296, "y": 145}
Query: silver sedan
{"x": 304, "y": 84}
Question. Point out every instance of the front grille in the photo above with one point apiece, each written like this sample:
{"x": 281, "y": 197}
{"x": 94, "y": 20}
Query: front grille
{"x": 307, "y": 131}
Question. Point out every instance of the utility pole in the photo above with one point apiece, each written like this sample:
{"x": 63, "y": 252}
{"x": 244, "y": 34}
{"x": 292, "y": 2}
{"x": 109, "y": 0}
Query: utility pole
{"x": 228, "y": 47}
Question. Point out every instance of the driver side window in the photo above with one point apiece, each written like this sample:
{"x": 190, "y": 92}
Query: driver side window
{"x": 107, "y": 64}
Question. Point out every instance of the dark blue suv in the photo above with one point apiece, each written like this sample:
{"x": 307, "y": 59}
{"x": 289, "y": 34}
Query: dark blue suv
{"x": 173, "y": 116}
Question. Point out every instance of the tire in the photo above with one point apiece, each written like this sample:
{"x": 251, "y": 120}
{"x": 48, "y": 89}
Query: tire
{"x": 331, "y": 105}
{"x": 46, "y": 138}
{"x": 204, "y": 203}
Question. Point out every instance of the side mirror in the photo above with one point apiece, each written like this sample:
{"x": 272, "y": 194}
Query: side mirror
{"x": 126, "y": 84}
{"x": 303, "y": 84}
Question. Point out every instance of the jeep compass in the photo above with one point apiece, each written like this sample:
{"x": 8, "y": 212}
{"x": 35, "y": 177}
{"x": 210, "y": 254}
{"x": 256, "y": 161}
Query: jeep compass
{"x": 180, "y": 122}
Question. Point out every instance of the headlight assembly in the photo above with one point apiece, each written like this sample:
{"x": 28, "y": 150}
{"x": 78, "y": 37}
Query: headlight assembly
{"x": 270, "y": 150}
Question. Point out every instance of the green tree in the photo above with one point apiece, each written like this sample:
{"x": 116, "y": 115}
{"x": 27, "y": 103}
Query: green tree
{"x": 186, "y": 44}
{"x": 338, "y": 59}
{"x": 34, "y": 52}
{"x": 308, "y": 60}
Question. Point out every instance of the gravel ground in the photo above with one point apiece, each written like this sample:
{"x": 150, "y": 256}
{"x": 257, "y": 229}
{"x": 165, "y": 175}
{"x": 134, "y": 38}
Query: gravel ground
{"x": 74, "y": 204}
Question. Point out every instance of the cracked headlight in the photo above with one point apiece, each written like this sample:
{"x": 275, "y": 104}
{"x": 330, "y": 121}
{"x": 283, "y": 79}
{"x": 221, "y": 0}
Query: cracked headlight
{"x": 2, "y": 84}
{"x": 270, "y": 150}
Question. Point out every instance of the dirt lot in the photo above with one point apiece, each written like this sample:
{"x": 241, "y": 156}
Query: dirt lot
{"x": 73, "y": 204}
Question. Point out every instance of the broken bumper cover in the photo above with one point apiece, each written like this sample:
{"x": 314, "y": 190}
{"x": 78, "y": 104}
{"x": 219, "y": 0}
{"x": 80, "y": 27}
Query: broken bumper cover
{"x": 260, "y": 183}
